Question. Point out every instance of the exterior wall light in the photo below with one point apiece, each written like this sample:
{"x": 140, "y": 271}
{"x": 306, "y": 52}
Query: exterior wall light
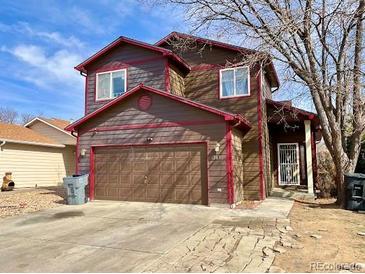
{"x": 217, "y": 147}
{"x": 83, "y": 152}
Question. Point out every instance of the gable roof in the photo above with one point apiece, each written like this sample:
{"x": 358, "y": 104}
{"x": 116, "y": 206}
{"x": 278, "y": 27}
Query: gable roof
{"x": 23, "y": 135}
{"x": 237, "y": 119}
{"x": 287, "y": 106}
{"x": 269, "y": 68}
{"x": 120, "y": 40}
{"x": 56, "y": 123}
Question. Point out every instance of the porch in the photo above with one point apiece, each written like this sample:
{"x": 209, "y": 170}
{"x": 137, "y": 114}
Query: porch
{"x": 293, "y": 135}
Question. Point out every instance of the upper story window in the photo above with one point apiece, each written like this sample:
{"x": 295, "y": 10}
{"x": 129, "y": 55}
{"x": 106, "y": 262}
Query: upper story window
{"x": 234, "y": 82}
{"x": 111, "y": 84}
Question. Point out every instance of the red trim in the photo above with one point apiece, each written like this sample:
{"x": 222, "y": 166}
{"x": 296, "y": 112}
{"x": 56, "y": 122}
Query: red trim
{"x": 156, "y": 125}
{"x": 203, "y": 40}
{"x": 92, "y": 175}
{"x": 92, "y": 160}
{"x": 226, "y": 115}
{"x": 167, "y": 76}
{"x": 229, "y": 164}
{"x": 122, "y": 39}
{"x": 174, "y": 34}
{"x": 86, "y": 93}
{"x": 77, "y": 157}
{"x": 207, "y": 171}
{"x": 260, "y": 139}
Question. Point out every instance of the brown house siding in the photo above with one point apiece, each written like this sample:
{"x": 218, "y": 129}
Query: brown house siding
{"x": 143, "y": 66}
{"x": 202, "y": 85}
{"x": 162, "y": 110}
{"x": 176, "y": 81}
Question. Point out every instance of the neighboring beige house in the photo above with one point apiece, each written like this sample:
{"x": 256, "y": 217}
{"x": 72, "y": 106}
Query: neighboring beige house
{"x": 40, "y": 153}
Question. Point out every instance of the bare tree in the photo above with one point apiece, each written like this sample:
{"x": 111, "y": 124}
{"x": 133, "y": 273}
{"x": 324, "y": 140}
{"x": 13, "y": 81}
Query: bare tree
{"x": 320, "y": 42}
{"x": 26, "y": 117}
{"x": 8, "y": 115}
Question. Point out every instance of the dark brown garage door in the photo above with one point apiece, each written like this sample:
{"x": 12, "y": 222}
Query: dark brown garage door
{"x": 173, "y": 174}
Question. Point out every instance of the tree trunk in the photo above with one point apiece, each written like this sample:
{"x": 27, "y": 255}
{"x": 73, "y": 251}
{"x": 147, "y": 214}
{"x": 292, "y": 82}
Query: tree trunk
{"x": 342, "y": 166}
{"x": 340, "y": 183}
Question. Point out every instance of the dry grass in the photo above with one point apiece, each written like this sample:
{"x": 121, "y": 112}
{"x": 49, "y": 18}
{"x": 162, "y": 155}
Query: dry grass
{"x": 22, "y": 201}
{"x": 339, "y": 242}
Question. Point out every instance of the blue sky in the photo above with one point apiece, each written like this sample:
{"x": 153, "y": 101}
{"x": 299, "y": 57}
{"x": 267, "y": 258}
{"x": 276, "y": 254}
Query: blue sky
{"x": 41, "y": 42}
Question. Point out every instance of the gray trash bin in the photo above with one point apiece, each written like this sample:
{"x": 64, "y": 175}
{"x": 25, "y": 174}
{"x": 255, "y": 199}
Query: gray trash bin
{"x": 75, "y": 187}
{"x": 355, "y": 191}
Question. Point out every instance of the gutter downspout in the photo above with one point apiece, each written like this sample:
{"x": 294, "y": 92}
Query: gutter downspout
{"x": 2, "y": 144}
{"x": 72, "y": 133}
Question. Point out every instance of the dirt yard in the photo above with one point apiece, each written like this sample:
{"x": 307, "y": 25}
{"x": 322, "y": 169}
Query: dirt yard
{"x": 327, "y": 237}
{"x": 22, "y": 201}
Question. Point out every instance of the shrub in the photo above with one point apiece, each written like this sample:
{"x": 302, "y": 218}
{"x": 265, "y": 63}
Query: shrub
{"x": 326, "y": 175}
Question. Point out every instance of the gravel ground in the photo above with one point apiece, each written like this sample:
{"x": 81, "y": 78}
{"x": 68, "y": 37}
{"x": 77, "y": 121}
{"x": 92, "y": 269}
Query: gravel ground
{"x": 22, "y": 201}
{"x": 328, "y": 237}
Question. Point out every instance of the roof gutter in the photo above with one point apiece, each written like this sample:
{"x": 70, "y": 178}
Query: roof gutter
{"x": 4, "y": 141}
{"x": 2, "y": 144}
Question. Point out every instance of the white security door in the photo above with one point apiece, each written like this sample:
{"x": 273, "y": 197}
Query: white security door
{"x": 288, "y": 162}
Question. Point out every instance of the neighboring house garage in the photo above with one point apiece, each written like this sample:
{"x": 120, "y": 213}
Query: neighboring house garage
{"x": 148, "y": 145}
{"x": 36, "y": 157}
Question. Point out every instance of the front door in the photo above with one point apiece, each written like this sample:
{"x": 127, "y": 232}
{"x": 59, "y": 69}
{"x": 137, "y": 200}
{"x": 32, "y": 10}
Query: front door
{"x": 288, "y": 161}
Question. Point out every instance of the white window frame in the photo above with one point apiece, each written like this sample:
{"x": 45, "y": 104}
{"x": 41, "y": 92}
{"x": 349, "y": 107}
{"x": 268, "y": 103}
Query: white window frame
{"x": 298, "y": 164}
{"x": 110, "y": 84}
{"x": 234, "y": 83}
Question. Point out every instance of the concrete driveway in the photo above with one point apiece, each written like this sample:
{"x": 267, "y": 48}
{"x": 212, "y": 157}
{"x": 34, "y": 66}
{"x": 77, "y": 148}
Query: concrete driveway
{"x": 143, "y": 237}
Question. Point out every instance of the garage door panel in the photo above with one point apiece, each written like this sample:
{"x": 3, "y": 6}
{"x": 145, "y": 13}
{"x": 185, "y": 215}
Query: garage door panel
{"x": 139, "y": 165}
{"x": 167, "y": 195}
{"x": 182, "y": 180}
{"x": 153, "y": 155}
{"x": 153, "y": 193}
{"x": 183, "y": 165}
{"x": 153, "y": 165}
{"x": 139, "y": 179}
{"x": 153, "y": 179}
{"x": 125, "y": 165}
{"x": 167, "y": 165}
{"x": 175, "y": 174}
{"x": 167, "y": 178}
{"x": 140, "y": 193}
{"x": 112, "y": 192}
{"x": 182, "y": 154}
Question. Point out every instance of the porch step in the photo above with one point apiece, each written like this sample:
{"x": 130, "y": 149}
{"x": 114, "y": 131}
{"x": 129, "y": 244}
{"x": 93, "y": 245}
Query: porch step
{"x": 297, "y": 194}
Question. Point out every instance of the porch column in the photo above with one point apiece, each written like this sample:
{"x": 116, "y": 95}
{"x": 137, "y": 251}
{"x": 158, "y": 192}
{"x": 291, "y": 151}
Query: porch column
{"x": 308, "y": 155}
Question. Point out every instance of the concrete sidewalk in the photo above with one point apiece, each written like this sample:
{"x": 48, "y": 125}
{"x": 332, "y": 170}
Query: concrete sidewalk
{"x": 135, "y": 237}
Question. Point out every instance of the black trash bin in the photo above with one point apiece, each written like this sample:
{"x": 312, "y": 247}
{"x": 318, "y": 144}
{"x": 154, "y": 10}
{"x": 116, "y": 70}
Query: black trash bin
{"x": 355, "y": 191}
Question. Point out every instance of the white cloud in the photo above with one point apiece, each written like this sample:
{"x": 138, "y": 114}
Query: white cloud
{"x": 55, "y": 37}
{"x": 47, "y": 69}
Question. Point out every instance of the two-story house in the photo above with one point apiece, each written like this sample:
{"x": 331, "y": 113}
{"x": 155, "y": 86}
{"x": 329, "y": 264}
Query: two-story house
{"x": 189, "y": 125}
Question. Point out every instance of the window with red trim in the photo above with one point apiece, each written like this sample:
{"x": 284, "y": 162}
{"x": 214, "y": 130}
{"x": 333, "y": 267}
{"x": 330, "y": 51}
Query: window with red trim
{"x": 234, "y": 82}
{"x": 111, "y": 84}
